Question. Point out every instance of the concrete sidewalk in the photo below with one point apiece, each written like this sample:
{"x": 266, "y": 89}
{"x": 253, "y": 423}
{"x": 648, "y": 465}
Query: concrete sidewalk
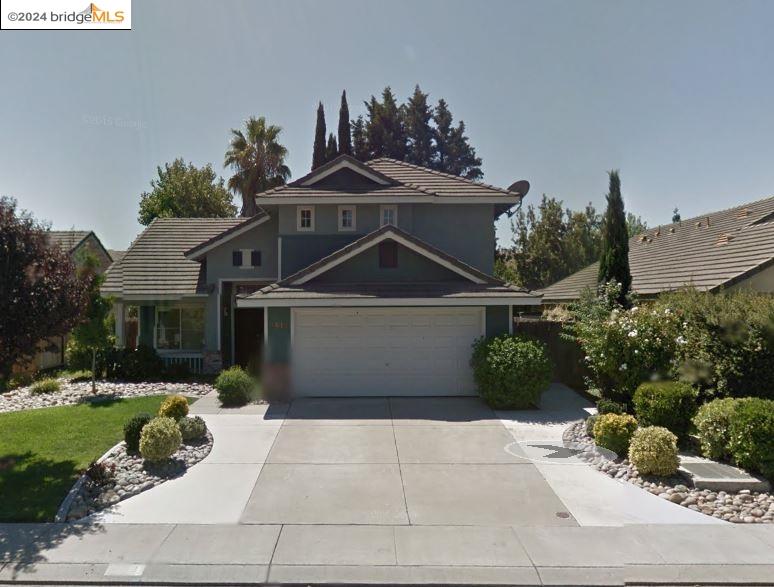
{"x": 297, "y": 554}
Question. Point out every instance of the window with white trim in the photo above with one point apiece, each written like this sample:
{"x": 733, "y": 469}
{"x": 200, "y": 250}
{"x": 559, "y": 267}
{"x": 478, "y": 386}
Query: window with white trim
{"x": 388, "y": 214}
{"x": 305, "y": 218}
{"x": 346, "y": 218}
{"x": 179, "y": 329}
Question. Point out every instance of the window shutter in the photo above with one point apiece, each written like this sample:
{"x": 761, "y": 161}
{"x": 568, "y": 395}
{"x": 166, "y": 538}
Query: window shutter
{"x": 388, "y": 254}
{"x": 236, "y": 258}
{"x": 255, "y": 258}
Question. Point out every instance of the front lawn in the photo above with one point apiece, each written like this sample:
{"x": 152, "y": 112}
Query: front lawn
{"x": 42, "y": 452}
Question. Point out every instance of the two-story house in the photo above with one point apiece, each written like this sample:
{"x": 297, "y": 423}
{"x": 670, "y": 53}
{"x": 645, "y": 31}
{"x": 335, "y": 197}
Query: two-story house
{"x": 358, "y": 279}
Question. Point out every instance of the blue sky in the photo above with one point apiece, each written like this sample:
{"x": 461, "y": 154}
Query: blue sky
{"x": 678, "y": 95}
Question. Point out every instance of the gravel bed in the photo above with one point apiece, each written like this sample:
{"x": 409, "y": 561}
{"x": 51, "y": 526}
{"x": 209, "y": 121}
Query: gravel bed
{"x": 745, "y": 506}
{"x": 75, "y": 393}
{"x": 132, "y": 475}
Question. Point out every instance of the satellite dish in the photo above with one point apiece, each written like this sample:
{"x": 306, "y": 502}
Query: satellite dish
{"x": 521, "y": 187}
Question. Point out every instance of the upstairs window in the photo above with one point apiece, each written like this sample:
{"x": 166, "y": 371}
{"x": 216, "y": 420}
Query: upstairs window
{"x": 346, "y": 218}
{"x": 388, "y": 215}
{"x": 246, "y": 258}
{"x": 305, "y": 218}
{"x": 388, "y": 255}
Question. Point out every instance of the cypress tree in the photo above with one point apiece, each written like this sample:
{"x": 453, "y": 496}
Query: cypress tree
{"x": 345, "y": 139}
{"x": 318, "y": 154}
{"x": 331, "y": 149}
{"x": 614, "y": 263}
{"x": 359, "y": 142}
{"x": 418, "y": 130}
{"x": 442, "y": 133}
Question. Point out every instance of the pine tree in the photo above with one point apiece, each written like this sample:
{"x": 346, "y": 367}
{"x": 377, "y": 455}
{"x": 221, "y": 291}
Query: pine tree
{"x": 614, "y": 262}
{"x": 676, "y": 216}
{"x": 443, "y": 136}
{"x": 345, "y": 138}
{"x": 386, "y": 135}
{"x": 318, "y": 154}
{"x": 331, "y": 149}
{"x": 359, "y": 141}
{"x": 418, "y": 130}
{"x": 463, "y": 160}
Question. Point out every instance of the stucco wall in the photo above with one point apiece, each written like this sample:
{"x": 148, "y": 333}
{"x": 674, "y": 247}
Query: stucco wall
{"x": 763, "y": 281}
{"x": 262, "y": 238}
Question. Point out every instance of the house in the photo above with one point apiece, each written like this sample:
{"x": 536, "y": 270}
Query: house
{"x": 76, "y": 243}
{"x": 725, "y": 250}
{"x": 357, "y": 279}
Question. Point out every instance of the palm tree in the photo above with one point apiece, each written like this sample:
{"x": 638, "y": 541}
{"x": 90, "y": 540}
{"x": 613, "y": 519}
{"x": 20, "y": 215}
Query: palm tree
{"x": 258, "y": 161}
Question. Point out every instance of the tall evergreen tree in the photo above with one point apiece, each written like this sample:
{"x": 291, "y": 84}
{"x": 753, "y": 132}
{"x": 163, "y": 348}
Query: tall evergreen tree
{"x": 318, "y": 154}
{"x": 463, "y": 161}
{"x": 442, "y": 133}
{"x": 331, "y": 149}
{"x": 385, "y": 132}
{"x": 345, "y": 138}
{"x": 614, "y": 262}
{"x": 419, "y": 133}
{"x": 359, "y": 140}
{"x": 675, "y": 216}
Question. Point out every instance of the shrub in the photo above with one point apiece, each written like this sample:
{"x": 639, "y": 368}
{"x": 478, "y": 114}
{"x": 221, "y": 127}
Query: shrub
{"x": 510, "y": 371}
{"x": 653, "y": 450}
{"x": 614, "y": 431}
{"x": 671, "y": 404}
{"x": 133, "y": 429}
{"x": 590, "y": 421}
{"x": 101, "y": 473}
{"x": 77, "y": 376}
{"x": 159, "y": 440}
{"x": 78, "y": 357}
{"x": 713, "y": 423}
{"x": 192, "y": 428}
{"x": 140, "y": 364}
{"x": 234, "y": 387}
{"x": 48, "y": 385}
{"x": 177, "y": 371}
{"x": 607, "y": 406}
{"x": 174, "y": 406}
{"x": 751, "y": 435}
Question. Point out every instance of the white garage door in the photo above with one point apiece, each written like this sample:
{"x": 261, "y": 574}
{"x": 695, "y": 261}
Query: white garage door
{"x": 384, "y": 351}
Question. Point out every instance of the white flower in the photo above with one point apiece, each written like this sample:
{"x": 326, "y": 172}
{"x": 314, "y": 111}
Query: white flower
{"x": 623, "y": 366}
{"x": 633, "y": 333}
{"x": 680, "y": 340}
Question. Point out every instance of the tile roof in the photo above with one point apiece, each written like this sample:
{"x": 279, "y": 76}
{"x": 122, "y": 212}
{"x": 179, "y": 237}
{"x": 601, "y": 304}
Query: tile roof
{"x": 115, "y": 255}
{"x": 67, "y": 239}
{"x": 244, "y": 224}
{"x": 706, "y": 252}
{"x": 155, "y": 264}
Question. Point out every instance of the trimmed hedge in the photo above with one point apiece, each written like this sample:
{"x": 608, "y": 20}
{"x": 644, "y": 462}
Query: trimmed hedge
{"x": 653, "y": 450}
{"x": 234, "y": 386}
{"x": 670, "y": 404}
{"x": 510, "y": 371}
{"x": 751, "y": 436}
{"x": 614, "y": 431}
{"x": 174, "y": 406}
{"x": 192, "y": 428}
{"x": 160, "y": 439}
{"x": 713, "y": 425}
{"x": 133, "y": 429}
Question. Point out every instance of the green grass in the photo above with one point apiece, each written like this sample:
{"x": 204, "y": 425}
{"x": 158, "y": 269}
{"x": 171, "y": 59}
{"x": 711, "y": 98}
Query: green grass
{"x": 42, "y": 452}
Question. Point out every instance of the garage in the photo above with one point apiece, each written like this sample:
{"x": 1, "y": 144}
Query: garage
{"x": 384, "y": 351}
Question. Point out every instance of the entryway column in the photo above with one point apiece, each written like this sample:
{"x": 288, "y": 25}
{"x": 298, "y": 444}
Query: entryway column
{"x": 118, "y": 313}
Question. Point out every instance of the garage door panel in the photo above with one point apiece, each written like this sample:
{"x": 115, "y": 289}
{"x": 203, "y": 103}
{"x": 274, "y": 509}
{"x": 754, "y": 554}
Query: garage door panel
{"x": 384, "y": 351}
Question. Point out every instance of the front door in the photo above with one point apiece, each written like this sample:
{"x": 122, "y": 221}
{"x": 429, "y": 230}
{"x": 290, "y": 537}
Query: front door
{"x": 248, "y": 338}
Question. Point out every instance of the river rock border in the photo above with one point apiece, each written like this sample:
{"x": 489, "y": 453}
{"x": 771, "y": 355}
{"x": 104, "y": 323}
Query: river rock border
{"x": 132, "y": 475}
{"x": 745, "y": 506}
{"x": 80, "y": 392}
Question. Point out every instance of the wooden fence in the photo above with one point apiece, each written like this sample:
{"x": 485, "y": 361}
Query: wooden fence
{"x": 566, "y": 356}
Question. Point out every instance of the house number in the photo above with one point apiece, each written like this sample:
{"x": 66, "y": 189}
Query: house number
{"x": 279, "y": 325}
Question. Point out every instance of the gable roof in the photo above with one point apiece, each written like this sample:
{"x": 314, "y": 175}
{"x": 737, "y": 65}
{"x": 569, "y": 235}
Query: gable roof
{"x": 67, "y": 240}
{"x": 243, "y": 226}
{"x": 155, "y": 265}
{"x": 706, "y": 252}
{"x": 392, "y": 180}
{"x": 388, "y": 232}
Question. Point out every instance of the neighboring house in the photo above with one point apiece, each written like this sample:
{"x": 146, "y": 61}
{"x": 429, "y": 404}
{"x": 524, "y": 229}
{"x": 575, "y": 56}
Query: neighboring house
{"x": 724, "y": 250}
{"x": 356, "y": 279}
{"x": 76, "y": 243}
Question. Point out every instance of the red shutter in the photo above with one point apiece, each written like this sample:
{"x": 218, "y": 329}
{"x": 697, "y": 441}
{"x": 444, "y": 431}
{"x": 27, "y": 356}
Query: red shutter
{"x": 388, "y": 254}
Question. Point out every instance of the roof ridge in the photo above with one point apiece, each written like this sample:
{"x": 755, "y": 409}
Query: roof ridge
{"x": 443, "y": 174}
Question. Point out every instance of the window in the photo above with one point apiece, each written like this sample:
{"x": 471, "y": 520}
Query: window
{"x": 180, "y": 329}
{"x": 346, "y": 218}
{"x": 388, "y": 215}
{"x": 246, "y": 258}
{"x": 305, "y": 218}
{"x": 388, "y": 255}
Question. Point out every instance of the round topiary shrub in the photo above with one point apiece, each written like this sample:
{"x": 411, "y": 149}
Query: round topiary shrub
{"x": 174, "y": 406}
{"x": 713, "y": 421}
{"x": 670, "y": 404}
{"x": 653, "y": 450}
{"x": 608, "y": 406}
{"x": 234, "y": 387}
{"x": 192, "y": 428}
{"x": 160, "y": 439}
{"x": 590, "y": 421}
{"x": 614, "y": 431}
{"x": 510, "y": 371}
{"x": 751, "y": 435}
{"x": 133, "y": 429}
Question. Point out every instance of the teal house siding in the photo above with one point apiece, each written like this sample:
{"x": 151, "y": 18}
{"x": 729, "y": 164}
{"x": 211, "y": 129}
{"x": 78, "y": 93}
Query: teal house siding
{"x": 278, "y": 349}
{"x": 496, "y": 320}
